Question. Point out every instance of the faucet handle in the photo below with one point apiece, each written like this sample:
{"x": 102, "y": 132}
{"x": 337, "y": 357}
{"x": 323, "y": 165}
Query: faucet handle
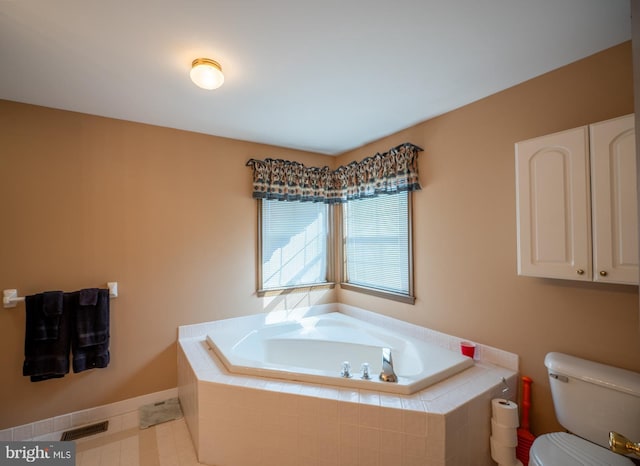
{"x": 365, "y": 371}
{"x": 618, "y": 443}
{"x": 346, "y": 370}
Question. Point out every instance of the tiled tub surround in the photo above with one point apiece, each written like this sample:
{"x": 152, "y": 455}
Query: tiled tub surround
{"x": 238, "y": 420}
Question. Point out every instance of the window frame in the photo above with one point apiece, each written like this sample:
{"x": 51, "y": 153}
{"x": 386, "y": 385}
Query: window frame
{"x": 330, "y": 283}
{"x": 408, "y": 298}
{"x": 335, "y": 231}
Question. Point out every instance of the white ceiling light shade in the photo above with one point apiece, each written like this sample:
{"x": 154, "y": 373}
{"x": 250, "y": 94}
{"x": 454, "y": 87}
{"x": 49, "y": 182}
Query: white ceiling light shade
{"x": 206, "y": 73}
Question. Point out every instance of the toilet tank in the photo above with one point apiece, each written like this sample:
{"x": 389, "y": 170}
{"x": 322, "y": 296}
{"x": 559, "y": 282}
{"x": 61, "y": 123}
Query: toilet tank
{"x": 592, "y": 399}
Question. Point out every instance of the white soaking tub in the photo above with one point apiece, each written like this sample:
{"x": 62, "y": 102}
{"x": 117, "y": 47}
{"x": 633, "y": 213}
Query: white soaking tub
{"x": 314, "y": 349}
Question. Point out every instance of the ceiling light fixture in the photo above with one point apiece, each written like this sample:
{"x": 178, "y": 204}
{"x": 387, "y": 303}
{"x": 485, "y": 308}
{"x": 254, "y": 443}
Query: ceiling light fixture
{"x": 206, "y": 73}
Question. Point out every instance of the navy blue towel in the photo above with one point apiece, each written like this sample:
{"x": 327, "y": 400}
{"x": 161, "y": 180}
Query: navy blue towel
{"x": 47, "y": 336}
{"x": 43, "y": 315}
{"x": 90, "y": 344}
{"x": 92, "y": 317}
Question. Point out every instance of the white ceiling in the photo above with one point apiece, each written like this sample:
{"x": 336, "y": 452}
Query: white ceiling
{"x": 324, "y": 75}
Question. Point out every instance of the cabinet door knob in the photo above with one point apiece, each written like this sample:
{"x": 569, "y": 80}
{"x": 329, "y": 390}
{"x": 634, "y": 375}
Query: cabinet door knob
{"x": 603, "y": 273}
{"x": 580, "y": 272}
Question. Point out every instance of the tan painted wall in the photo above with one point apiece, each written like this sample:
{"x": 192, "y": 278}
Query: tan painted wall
{"x": 465, "y": 228}
{"x": 169, "y": 215}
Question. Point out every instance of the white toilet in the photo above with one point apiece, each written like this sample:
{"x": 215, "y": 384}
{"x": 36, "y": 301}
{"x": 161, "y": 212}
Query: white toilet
{"x": 590, "y": 400}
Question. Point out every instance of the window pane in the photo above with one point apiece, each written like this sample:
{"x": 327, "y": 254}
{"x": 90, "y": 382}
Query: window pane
{"x": 294, "y": 243}
{"x": 377, "y": 242}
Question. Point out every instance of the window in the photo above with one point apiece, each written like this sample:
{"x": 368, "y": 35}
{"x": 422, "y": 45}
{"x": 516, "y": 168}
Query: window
{"x": 377, "y": 246}
{"x": 294, "y": 244}
{"x": 371, "y": 203}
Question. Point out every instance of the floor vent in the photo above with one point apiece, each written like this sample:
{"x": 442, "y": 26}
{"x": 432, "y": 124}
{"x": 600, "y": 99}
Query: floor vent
{"x": 85, "y": 431}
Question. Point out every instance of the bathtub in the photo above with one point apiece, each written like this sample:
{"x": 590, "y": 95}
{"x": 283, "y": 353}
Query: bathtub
{"x": 262, "y": 420}
{"x": 315, "y": 349}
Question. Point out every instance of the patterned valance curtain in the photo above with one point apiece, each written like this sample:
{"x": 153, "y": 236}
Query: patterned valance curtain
{"x": 388, "y": 173}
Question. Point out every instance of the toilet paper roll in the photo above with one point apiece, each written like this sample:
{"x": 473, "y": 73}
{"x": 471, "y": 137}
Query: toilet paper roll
{"x": 502, "y": 454}
{"x": 504, "y": 435}
{"x": 505, "y": 412}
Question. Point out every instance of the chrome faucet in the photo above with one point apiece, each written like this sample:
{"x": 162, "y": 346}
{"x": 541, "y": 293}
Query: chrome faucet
{"x": 387, "y": 374}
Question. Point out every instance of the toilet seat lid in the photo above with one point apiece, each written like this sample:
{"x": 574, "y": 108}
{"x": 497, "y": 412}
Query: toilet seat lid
{"x": 561, "y": 448}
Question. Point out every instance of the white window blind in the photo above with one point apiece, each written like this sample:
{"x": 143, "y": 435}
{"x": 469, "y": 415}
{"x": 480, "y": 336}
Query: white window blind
{"x": 377, "y": 243}
{"x": 294, "y": 242}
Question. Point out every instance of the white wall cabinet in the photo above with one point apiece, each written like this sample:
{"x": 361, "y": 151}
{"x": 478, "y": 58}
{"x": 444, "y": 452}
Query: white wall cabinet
{"x": 577, "y": 204}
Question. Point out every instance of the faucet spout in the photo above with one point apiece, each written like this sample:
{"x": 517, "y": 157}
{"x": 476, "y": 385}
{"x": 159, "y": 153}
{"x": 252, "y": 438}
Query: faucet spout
{"x": 387, "y": 374}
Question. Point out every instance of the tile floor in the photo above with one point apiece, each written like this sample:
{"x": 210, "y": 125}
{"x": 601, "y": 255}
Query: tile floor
{"x": 167, "y": 444}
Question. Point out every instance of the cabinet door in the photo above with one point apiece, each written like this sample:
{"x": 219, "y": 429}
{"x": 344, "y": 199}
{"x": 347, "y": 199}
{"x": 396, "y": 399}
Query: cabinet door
{"x": 614, "y": 201}
{"x": 553, "y": 206}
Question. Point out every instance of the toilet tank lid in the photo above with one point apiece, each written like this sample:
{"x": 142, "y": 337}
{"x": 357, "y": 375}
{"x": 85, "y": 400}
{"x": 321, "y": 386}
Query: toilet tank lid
{"x": 593, "y": 372}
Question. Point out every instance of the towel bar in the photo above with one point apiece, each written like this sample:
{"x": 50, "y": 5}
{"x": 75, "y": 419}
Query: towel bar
{"x": 10, "y": 297}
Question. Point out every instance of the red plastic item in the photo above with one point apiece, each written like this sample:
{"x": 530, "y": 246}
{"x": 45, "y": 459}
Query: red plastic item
{"x": 525, "y": 437}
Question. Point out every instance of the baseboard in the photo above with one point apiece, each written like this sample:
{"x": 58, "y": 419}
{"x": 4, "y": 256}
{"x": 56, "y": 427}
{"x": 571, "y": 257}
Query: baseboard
{"x": 122, "y": 415}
